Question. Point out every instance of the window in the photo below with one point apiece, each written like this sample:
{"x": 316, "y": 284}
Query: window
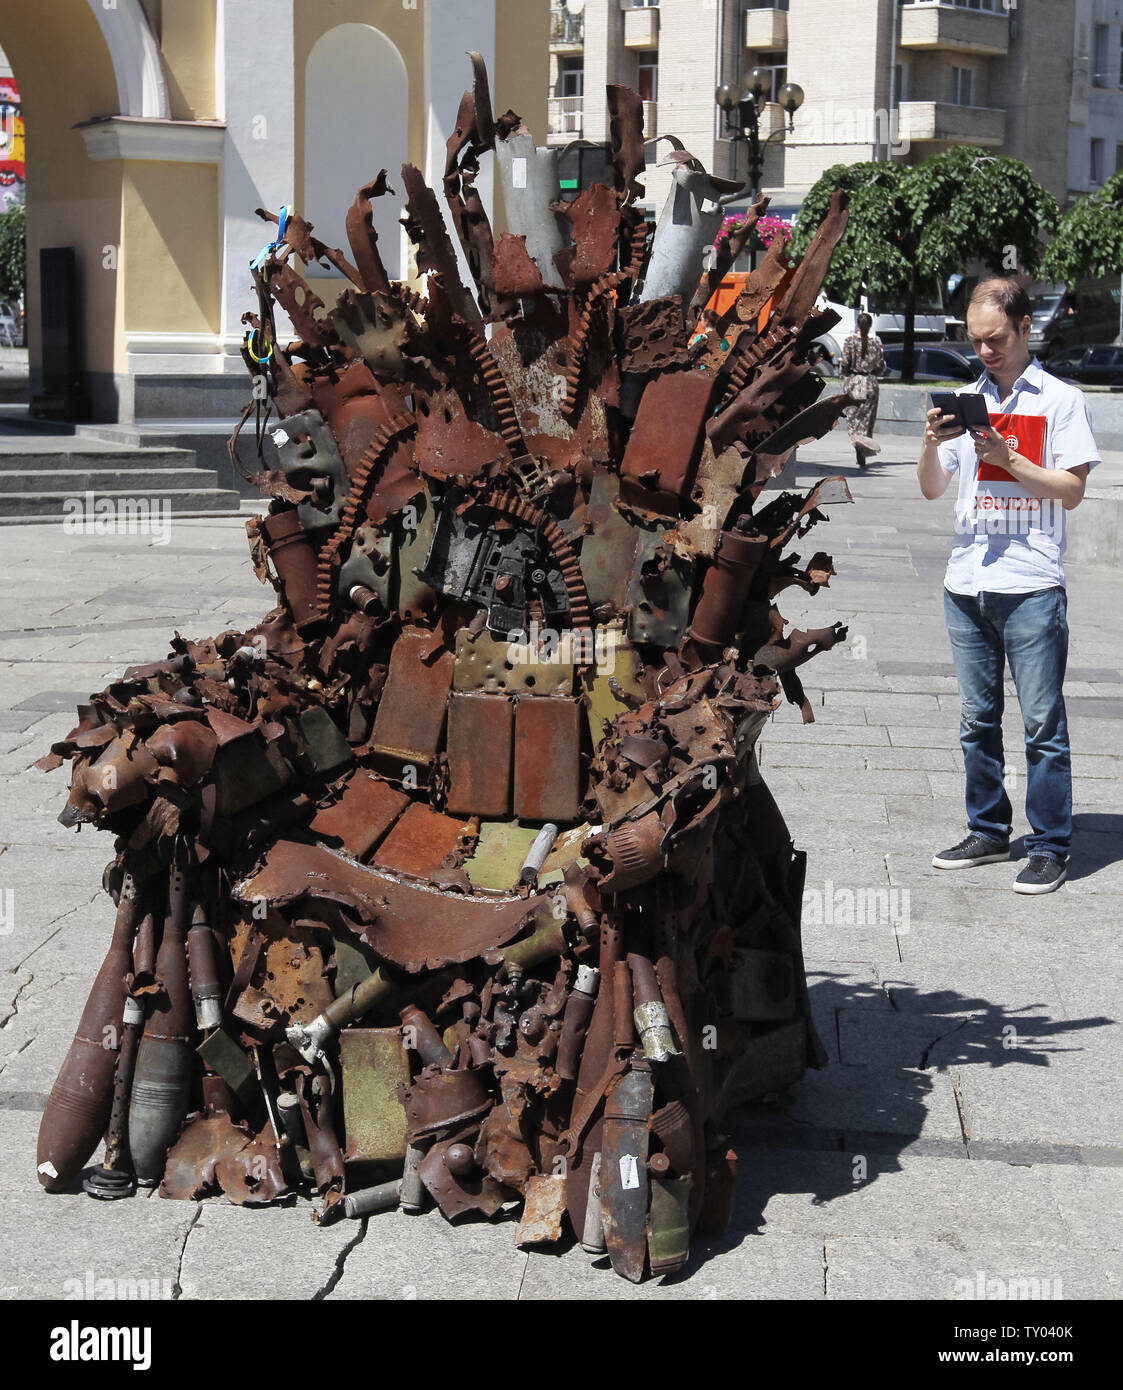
{"x": 991, "y": 6}
{"x": 571, "y": 79}
{"x": 1100, "y": 67}
{"x": 1096, "y": 161}
{"x": 649, "y": 74}
{"x": 1118, "y": 158}
{"x": 777, "y": 77}
{"x": 901, "y": 81}
{"x": 767, "y": 4}
{"x": 963, "y": 86}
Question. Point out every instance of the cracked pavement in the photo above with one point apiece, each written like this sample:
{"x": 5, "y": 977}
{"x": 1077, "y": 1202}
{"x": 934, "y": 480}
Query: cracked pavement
{"x": 970, "y": 1118}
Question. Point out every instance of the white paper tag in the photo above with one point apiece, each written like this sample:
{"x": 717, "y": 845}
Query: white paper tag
{"x": 280, "y": 437}
{"x": 518, "y": 173}
{"x": 48, "y": 1168}
{"x": 629, "y": 1171}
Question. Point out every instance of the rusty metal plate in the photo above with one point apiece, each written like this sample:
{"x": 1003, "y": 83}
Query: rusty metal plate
{"x": 484, "y": 662}
{"x": 606, "y": 553}
{"x": 212, "y": 1152}
{"x": 541, "y": 1222}
{"x": 660, "y": 590}
{"x": 360, "y": 818}
{"x": 513, "y": 270}
{"x": 419, "y": 842}
{"x": 614, "y": 671}
{"x": 374, "y": 1063}
{"x": 456, "y": 1195}
{"x": 407, "y": 924}
{"x": 480, "y": 745}
{"x": 450, "y": 446}
{"x": 411, "y": 714}
{"x": 412, "y": 543}
{"x": 547, "y": 760}
{"x": 653, "y": 335}
{"x": 595, "y": 220}
{"x": 661, "y": 460}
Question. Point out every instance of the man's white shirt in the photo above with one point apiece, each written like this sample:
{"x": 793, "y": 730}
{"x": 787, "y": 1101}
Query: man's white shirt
{"x": 1007, "y": 540}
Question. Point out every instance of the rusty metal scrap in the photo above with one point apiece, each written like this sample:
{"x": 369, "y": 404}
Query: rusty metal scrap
{"x": 427, "y": 884}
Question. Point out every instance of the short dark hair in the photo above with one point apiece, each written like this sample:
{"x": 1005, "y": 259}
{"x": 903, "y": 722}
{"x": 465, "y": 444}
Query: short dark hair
{"x": 1004, "y": 294}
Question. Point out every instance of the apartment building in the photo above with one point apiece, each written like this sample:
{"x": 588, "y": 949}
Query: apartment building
{"x": 884, "y": 79}
{"x": 1095, "y": 149}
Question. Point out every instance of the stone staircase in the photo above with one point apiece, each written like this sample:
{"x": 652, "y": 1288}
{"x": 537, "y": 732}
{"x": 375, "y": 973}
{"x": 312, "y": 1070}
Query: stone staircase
{"x": 46, "y": 476}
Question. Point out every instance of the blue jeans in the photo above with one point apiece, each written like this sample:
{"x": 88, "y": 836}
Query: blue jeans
{"x": 1030, "y": 630}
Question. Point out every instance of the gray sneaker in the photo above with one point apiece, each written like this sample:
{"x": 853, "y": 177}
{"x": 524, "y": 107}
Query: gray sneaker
{"x": 971, "y": 851}
{"x": 1040, "y": 875}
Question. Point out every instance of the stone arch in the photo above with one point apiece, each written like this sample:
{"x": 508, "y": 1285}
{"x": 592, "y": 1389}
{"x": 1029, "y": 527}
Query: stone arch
{"x": 356, "y": 113}
{"x": 141, "y": 87}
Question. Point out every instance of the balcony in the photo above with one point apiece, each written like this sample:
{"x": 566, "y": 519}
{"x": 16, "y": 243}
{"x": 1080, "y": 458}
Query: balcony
{"x": 766, "y": 31}
{"x": 563, "y": 119}
{"x": 952, "y": 28}
{"x": 567, "y": 31}
{"x": 961, "y": 125}
{"x": 641, "y": 27}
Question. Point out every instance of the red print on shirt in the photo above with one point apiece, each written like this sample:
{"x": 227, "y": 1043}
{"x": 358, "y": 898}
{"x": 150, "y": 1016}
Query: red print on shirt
{"x": 1025, "y": 435}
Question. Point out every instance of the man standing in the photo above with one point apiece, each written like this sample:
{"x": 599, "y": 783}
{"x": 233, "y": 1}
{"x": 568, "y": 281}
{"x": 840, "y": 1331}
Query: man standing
{"x": 1004, "y": 590}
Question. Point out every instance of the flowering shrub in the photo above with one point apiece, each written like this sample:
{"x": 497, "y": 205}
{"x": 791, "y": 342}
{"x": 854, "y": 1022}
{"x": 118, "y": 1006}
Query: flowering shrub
{"x": 767, "y": 229}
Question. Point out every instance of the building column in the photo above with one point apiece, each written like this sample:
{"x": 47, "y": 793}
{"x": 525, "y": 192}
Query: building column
{"x": 254, "y": 87}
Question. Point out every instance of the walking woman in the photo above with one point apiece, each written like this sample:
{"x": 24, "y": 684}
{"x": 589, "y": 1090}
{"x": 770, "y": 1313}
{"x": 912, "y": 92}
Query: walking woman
{"x": 860, "y": 365}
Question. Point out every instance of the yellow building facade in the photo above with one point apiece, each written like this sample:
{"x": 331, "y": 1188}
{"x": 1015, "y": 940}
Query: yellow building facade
{"x": 157, "y": 127}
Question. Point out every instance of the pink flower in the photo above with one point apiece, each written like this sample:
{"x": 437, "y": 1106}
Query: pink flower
{"x": 767, "y": 228}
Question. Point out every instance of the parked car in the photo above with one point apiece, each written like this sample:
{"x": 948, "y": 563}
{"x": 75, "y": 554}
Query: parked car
{"x": 936, "y": 362}
{"x": 1062, "y": 318}
{"x": 11, "y": 329}
{"x": 1089, "y": 364}
{"x": 823, "y": 355}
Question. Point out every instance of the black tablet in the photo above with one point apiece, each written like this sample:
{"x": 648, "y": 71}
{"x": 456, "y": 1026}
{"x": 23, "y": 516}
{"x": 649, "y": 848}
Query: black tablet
{"x": 970, "y": 409}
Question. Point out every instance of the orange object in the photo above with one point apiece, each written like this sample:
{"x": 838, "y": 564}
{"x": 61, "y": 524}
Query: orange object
{"x": 725, "y": 296}
{"x": 777, "y": 298}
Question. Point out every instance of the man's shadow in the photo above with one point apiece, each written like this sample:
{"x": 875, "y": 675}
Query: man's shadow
{"x": 873, "y": 1108}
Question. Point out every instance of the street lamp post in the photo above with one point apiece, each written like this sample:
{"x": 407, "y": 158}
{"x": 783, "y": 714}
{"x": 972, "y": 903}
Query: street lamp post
{"x": 742, "y": 117}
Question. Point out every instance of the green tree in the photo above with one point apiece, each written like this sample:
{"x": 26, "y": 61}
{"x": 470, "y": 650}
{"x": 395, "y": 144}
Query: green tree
{"x": 912, "y": 224}
{"x": 1089, "y": 240}
{"x": 13, "y": 252}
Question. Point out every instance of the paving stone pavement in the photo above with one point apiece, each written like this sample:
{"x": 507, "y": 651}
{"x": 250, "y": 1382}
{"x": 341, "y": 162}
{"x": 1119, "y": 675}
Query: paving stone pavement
{"x": 969, "y": 1120}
